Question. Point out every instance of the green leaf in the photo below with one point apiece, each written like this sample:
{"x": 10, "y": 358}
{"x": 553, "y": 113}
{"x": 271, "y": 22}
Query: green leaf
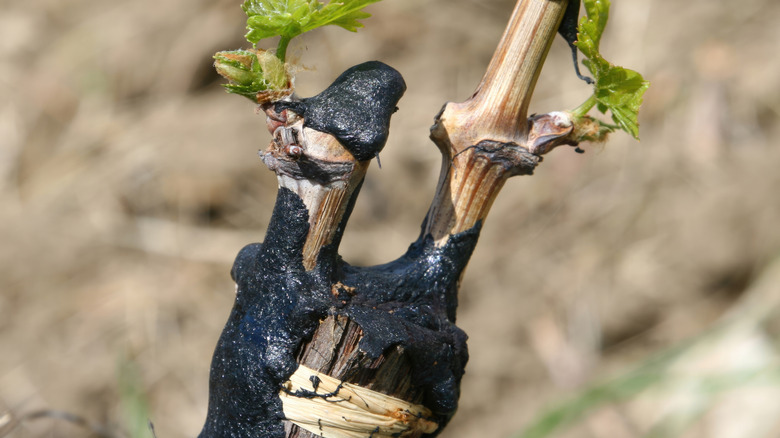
{"x": 620, "y": 90}
{"x": 616, "y": 89}
{"x": 597, "y": 14}
{"x": 290, "y": 18}
{"x": 253, "y": 71}
{"x": 344, "y": 14}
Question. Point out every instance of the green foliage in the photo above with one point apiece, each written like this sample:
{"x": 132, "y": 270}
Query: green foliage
{"x": 290, "y": 18}
{"x": 254, "y": 71}
{"x": 616, "y": 89}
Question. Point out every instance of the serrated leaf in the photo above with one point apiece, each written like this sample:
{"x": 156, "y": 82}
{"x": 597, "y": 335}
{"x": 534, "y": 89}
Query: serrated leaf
{"x": 290, "y": 18}
{"x": 254, "y": 71}
{"x": 616, "y": 89}
{"x": 345, "y": 14}
{"x": 597, "y": 12}
{"x": 270, "y": 18}
{"x": 621, "y": 91}
{"x": 351, "y": 22}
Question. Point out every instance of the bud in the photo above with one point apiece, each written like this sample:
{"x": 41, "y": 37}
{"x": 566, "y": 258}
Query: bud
{"x": 253, "y": 71}
{"x": 236, "y": 66}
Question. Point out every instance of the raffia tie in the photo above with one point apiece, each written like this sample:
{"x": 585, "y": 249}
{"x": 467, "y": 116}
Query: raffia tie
{"x": 330, "y": 408}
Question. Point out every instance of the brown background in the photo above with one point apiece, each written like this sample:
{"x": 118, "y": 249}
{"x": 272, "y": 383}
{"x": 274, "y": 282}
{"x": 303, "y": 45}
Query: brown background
{"x": 129, "y": 180}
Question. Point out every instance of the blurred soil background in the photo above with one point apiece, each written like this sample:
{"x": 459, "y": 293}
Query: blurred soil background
{"x": 631, "y": 291}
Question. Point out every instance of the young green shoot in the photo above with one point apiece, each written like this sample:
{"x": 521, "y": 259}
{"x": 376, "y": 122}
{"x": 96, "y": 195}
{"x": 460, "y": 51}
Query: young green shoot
{"x": 615, "y": 88}
{"x": 255, "y": 70}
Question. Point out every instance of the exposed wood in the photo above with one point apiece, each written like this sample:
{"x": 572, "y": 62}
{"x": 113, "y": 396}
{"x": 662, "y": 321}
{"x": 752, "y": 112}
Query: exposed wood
{"x": 470, "y": 182}
{"x": 334, "y": 351}
{"x": 317, "y": 168}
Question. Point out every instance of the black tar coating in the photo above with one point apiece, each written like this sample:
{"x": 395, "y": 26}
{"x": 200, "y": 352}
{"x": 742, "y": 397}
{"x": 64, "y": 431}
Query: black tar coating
{"x": 568, "y": 26}
{"x": 568, "y": 30}
{"x": 275, "y": 308}
{"x": 355, "y": 108}
{"x": 409, "y": 302}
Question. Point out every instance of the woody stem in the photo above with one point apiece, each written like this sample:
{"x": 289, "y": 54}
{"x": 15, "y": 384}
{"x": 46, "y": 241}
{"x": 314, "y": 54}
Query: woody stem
{"x": 484, "y": 140}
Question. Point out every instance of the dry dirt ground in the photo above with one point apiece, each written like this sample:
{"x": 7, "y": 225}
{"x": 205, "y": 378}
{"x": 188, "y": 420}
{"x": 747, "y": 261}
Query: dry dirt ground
{"x": 129, "y": 180}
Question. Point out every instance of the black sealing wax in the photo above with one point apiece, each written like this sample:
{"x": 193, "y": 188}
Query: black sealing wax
{"x": 409, "y": 302}
{"x": 277, "y": 305}
{"x": 568, "y": 30}
{"x": 568, "y": 27}
{"x": 355, "y": 108}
